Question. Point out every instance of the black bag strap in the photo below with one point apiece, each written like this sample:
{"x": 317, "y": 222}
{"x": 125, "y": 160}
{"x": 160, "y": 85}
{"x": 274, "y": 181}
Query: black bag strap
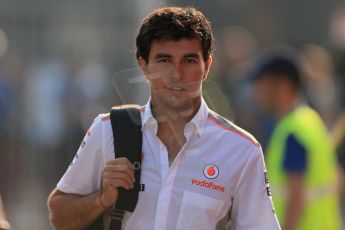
{"x": 126, "y": 125}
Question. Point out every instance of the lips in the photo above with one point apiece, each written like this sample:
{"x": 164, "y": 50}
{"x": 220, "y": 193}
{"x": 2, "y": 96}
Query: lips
{"x": 176, "y": 88}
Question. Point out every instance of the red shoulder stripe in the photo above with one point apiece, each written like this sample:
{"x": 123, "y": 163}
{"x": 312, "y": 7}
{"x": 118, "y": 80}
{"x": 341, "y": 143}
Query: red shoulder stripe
{"x": 105, "y": 119}
{"x": 233, "y": 130}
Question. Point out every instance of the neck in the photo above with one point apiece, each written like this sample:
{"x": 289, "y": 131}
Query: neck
{"x": 165, "y": 114}
{"x": 172, "y": 121}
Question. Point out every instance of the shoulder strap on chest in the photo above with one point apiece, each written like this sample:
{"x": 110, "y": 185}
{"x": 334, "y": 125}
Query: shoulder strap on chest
{"x": 126, "y": 126}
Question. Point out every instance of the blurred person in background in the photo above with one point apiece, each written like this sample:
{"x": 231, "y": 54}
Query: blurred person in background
{"x": 338, "y": 135}
{"x": 300, "y": 155}
{"x": 4, "y": 224}
{"x": 337, "y": 41}
{"x": 320, "y": 85}
{"x": 338, "y": 129}
{"x": 187, "y": 144}
{"x": 44, "y": 96}
{"x": 235, "y": 51}
{"x": 11, "y": 115}
{"x": 7, "y": 100}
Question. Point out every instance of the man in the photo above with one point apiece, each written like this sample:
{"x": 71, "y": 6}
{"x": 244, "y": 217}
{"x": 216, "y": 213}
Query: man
{"x": 198, "y": 168}
{"x": 300, "y": 156}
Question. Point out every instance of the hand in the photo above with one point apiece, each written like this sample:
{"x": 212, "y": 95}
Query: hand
{"x": 117, "y": 173}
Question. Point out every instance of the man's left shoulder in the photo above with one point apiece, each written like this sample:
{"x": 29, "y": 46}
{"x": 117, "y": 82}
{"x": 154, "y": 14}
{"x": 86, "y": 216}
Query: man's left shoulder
{"x": 229, "y": 126}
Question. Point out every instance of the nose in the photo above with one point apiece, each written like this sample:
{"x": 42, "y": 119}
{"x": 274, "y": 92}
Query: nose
{"x": 176, "y": 71}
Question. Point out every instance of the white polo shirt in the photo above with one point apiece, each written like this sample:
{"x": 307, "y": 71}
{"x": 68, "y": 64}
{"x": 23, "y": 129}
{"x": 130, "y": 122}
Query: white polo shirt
{"x": 219, "y": 172}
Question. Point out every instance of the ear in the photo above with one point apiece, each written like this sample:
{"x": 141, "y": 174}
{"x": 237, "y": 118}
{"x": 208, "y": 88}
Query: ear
{"x": 143, "y": 65}
{"x": 207, "y": 67}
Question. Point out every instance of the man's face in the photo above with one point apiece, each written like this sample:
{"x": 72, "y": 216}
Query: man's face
{"x": 265, "y": 92}
{"x": 175, "y": 70}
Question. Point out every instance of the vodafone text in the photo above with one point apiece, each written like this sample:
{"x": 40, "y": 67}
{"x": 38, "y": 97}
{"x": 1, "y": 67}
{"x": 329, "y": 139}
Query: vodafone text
{"x": 206, "y": 184}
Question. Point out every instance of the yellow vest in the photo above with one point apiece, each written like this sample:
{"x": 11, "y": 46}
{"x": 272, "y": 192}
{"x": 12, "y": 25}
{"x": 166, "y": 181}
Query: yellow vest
{"x": 322, "y": 210}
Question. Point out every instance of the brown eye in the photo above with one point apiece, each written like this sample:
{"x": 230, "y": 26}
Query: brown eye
{"x": 190, "y": 60}
{"x": 163, "y": 60}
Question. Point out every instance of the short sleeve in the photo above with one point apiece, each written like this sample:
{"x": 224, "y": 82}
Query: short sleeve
{"x": 252, "y": 204}
{"x": 83, "y": 176}
{"x": 295, "y": 156}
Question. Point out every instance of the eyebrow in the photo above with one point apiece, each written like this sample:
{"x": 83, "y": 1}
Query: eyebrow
{"x": 164, "y": 55}
{"x": 191, "y": 55}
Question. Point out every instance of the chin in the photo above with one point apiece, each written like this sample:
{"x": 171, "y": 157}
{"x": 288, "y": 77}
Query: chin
{"x": 178, "y": 104}
{"x": 181, "y": 105}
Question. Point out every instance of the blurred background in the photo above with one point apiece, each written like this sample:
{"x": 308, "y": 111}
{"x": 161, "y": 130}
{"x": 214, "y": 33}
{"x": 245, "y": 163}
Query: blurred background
{"x": 64, "y": 62}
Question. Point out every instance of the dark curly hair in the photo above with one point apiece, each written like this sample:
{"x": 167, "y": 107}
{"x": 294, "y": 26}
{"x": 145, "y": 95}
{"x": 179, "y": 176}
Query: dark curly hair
{"x": 174, "y": 23}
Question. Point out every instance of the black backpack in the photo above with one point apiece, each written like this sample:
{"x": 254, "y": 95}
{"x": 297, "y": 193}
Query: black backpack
{"x": 126, "y": 125}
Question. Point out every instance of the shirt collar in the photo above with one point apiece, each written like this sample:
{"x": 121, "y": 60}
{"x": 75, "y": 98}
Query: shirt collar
{"x": 198, "y": 121}
{"x": 148, "y": 118}
{"x": 200, "y": 118}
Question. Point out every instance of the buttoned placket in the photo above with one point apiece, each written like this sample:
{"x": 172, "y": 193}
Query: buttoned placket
{"x": 168, "y": 178}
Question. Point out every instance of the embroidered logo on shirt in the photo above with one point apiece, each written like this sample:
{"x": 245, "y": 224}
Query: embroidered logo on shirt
{"x": 208, "y": 184}
{"x": 211, "y": 171}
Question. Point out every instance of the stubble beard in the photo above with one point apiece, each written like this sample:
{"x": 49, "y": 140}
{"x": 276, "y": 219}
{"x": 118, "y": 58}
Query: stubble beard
{"x": 184, "y": 106}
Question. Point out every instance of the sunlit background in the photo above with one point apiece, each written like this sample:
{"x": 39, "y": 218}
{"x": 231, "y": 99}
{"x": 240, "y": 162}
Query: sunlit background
{"x": 64, "y": 62}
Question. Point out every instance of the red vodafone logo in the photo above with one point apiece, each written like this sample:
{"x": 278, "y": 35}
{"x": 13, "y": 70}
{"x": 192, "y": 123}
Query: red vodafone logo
{"x": 211, "y": 171}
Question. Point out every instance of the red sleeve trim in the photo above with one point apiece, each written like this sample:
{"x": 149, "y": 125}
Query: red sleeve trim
{"x": 233, "y": 131}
